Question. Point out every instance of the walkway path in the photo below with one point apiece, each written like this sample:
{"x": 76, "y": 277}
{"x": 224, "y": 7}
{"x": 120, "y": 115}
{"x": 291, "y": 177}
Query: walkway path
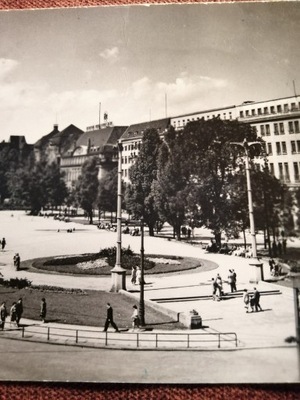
{"x": 36, "y": 237}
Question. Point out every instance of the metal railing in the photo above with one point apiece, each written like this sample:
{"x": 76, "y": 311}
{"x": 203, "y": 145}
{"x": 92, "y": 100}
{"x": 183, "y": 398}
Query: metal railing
{"x": 127, "y": 339}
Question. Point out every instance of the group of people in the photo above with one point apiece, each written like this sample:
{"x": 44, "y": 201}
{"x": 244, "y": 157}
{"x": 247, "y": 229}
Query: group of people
{"x": 217, "y": 285}
{"x": 136, "y": 275}
{"x": 251, "y": 301}
{"x": 275, "y": 268}
{"x": 16, "y": 311}
{"x": 110, "y": 318}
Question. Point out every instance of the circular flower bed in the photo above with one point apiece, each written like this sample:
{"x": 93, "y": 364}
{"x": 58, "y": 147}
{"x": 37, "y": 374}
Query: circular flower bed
{"x": 102, "y": 263}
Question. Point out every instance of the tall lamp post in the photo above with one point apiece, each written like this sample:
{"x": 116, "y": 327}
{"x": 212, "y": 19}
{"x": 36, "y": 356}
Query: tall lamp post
{"x": 142, "y": 283}
{"x": 257, "y": 266}
{"x": 118, "y": 273}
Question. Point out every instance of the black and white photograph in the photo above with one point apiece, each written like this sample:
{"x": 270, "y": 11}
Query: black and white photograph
{"x": 150, "y": 194}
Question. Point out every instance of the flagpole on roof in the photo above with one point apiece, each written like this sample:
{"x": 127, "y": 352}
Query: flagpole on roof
{"x": 99, "y": 115}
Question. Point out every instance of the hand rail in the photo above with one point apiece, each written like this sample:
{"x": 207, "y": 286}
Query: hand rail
{"x": 137, "y": 339}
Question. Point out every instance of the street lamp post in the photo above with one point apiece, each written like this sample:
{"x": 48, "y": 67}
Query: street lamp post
{"x": 118, "y": 273}
{"x": 257, "y": 266}
{"x": 142, "y": 302}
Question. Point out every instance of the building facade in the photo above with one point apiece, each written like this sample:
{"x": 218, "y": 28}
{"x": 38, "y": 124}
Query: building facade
{"x": 97, "y": 141}
{"x": 131, "y": 142}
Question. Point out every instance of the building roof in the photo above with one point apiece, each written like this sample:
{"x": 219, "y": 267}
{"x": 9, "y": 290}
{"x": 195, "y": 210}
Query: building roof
{"x": 137, "y": 130}
{"x": 43, "y": 141}
{"x": 101, "y": 137}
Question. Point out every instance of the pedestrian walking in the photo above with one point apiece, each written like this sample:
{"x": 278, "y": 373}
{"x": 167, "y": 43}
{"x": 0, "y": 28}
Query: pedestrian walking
{"x": 43, "y": 309}
{"x": 19, "y": 311}
{"x": 133, "y": 275}
{"x": 135, "y": 318}
{"x": 231, "y": 281}
{"x": 17, "y": 261}
{"x": 246, "y": 300}
{"x": 215, "y": 290}
{"x": 234, "y": 280}
{"x": 256, "y": 298}
{"x": 3, "y": 314}
{"x": 220, "y": 284}
{"x": 13, "y": 313}
{"x": 272, "y": 265}
{"x": 110, "y": 319}
{"x": 3, "y": 243}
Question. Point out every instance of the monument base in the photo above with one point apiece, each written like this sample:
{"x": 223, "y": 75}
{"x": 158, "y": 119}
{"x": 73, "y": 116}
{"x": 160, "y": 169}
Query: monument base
{"x": 118, "y": 277}
{"x": 257, "y": 272}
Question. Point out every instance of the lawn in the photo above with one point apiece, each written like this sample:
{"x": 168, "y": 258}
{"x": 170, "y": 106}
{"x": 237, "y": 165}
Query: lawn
{"x": 83, "y": 308}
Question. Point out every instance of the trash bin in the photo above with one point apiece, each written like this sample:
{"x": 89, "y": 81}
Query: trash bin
{"x": 195, "y": 320}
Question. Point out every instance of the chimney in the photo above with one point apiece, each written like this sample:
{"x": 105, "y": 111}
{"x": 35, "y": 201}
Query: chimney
{"x": 55, "y": 126}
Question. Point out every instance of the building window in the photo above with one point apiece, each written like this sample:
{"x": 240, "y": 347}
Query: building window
{"x": 296, "y": 171}
{"x": 280, "y": 171}
{"x": 294, "y": 126}
{"x": 271, "y": 167}
{"x": 278, "y": 148}
{"x": 241, "y": 114}
{"x": 283, "y": 146}
{"x": 286, "y": 172}
{"x": 279, "y": 109}
{"x": 247, "y": 113}
{"x": 293, "y": 146}
{"x": 291, "y": 127}
{"x": 286, "y": 108}
{"x": 281, "y": 126}
{"x": 270, "y": 150}
{"x": 268, "y": 130}
{"x": 272, "y": 109}
{"x": 293, "y": 106}
{"x": 253, "y": 112}
{"x": 259, "y": 111}
{"x": 230, "y": 115}
{"x": 296, "y": 123}
{"x": 298, "y": 146}
{"x": 262, "y": 130}
{"x": 266, "y": 110}
{"x": 276, "y": 132}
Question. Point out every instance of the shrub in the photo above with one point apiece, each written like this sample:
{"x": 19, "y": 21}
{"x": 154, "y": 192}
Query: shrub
{"x": 15, "y": 283}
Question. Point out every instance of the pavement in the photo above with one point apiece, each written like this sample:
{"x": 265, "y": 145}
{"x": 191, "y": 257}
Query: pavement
{"x": 34, "y": 237}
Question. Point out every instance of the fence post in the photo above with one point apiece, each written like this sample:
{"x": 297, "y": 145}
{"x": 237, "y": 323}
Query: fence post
{"x": 219, "y": 342}
{"x": 105, "y": 338}
{"x": 188, "y": 340}
{"x": 23, "y": 332}
{"x": 156, "y": 340}
{"x": 137, "y": 340}
{"x": 76, "y": 335}
{"x": 48, "y": 334}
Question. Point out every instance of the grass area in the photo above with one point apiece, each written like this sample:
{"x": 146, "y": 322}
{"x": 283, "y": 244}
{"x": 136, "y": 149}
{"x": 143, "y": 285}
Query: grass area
{"x": 157, "y": 267}
{"x": 83, "y": 308}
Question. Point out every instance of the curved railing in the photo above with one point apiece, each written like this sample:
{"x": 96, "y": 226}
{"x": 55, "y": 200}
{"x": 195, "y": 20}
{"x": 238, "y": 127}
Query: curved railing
{"x": 130, "y": 339}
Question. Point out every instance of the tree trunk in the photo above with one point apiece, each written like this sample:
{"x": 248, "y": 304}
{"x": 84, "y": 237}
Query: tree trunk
{"x": 90, "y": 217}
{"x": 151, "y": 229}
{"x": 218, "y": 238}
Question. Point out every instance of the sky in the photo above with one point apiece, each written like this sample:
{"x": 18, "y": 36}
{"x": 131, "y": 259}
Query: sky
{"x": 141, "y": 63}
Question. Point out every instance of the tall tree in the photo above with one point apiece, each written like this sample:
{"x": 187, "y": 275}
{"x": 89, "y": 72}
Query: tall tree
{"x": 87, "y": 187}
{"x": 213, "y": 163}
{"x": 108, "y": 192}
{"x": 172, "y": 185}
{"x": 139, "y": 197}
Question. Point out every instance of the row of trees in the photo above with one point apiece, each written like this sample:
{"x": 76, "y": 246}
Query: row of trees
{"x": 197, "y": 176}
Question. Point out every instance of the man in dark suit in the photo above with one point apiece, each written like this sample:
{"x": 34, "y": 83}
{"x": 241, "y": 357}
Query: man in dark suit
{"x": 110, "y": 319}
{"x": 256, "y": 297}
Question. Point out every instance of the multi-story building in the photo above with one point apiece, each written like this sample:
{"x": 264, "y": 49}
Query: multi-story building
{"x": 131, "y": 141}
{"x": 97, "y": 141}
{"x": 277, "y": 123}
